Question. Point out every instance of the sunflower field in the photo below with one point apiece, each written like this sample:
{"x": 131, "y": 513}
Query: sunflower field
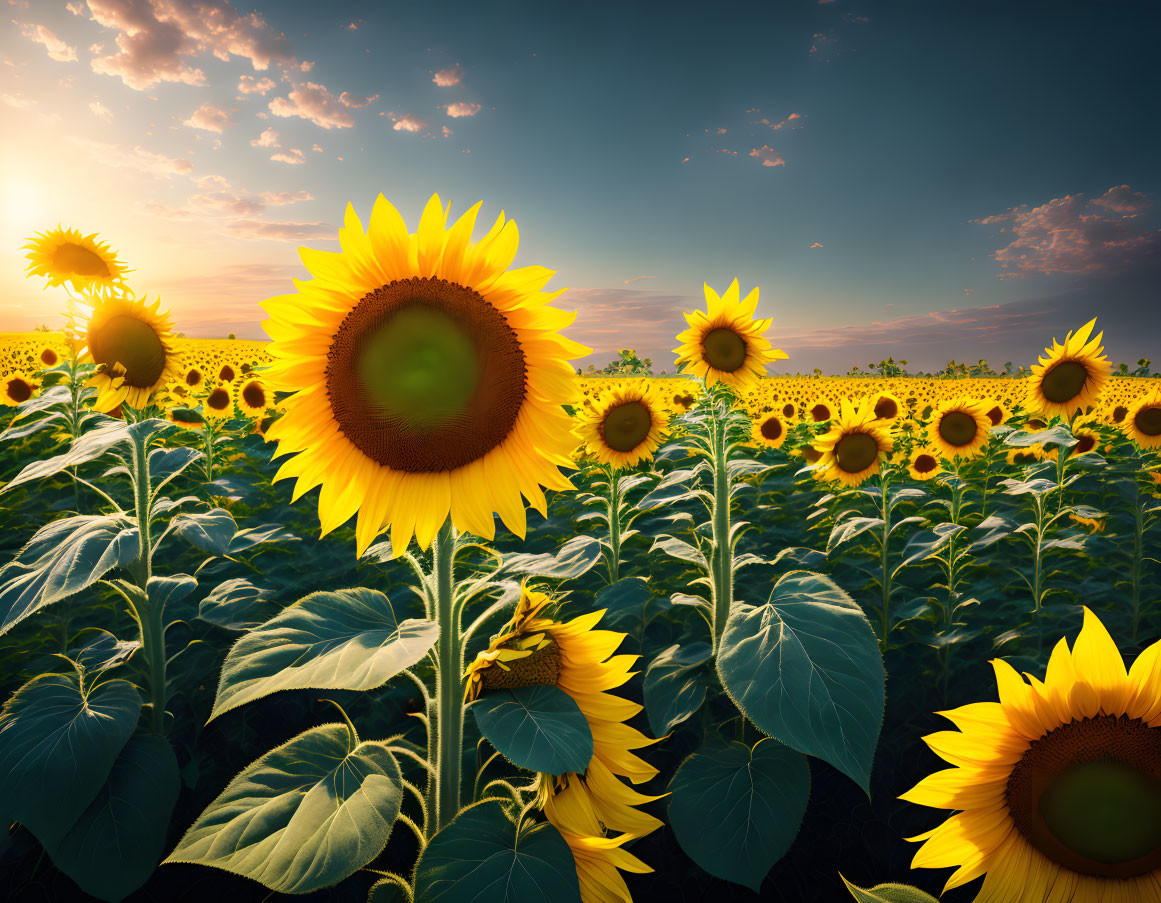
{"x": 276, "y": 621}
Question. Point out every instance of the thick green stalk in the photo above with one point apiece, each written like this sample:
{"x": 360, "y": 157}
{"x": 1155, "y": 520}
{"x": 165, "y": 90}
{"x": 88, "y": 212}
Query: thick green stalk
{"x": 1138, "y": 558}
{"x": 149, "y": 615}
{"x": 723, "y": 577}
{"x": 449, "y": 713}
{"x": 885, "y": 582}
{"x": 614, "y": 525}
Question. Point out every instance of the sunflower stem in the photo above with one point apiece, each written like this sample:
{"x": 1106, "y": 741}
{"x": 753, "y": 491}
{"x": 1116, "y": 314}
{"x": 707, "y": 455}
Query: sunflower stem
{"x": 884, "y": 614}
{"x": 449, "y": 713}
{"x": 722, "y": 566}
{"x": 614, "y": 511}
{"x": 151, "y": 618}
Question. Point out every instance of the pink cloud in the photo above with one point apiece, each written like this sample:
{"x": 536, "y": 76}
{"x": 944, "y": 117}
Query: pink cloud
{"x": 445, "y": 78}
{"x": 408, "y": 123}
{"x": 57, "y": 49}
{"x": 686, "y": 160}
{"x": 76, "y": 8}
{"x": 247, "y": 84}
{"x": 306, "y": 65}
{"x": 768, "y": 156}
{"x": 314, "y": 103}
{"x": 1076, "y": 235}
{"x": 447, "y": 133}
{"x": 291, "y": 155}
{"x": 354, "y": 101}
{"x": 317, "y": 149}
{"x": 268, "y": 138}
{"x": 257, "y": 229}
{"x": 816, "y": 245}
{"x": 456, "y": 110}
{"x": 209, "y": 118}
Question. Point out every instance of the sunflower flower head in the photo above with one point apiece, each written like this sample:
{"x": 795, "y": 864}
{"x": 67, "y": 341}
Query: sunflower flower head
{"x": 724, "y": 343}
{"x": 625, "y": 425}
{"x": 1070, "y": 376}
{"x": 851, "y": 452}
{"x": 1142, "y": 422}
{"x": 65, "y": 255}
{"x": 924, "y": 463}
{"x": 17, "y": 387}
{"x": 959, "y": 427}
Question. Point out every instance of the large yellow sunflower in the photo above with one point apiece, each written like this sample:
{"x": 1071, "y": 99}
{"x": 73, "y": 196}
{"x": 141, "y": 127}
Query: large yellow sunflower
{"x": 1058, "y": 784}
{"x": 131, "y": 345}
{"x": 724, "y": 343}
{"x": 1142, "y": 423}
{"x": 1069, "y": 376}
{"x": 625, "y": 425}
{"x": 17, "y": 387}
{"x": 64, "y": 255}
{"x": 853, "y": 449}
{"x": 534, "y": 649}
{"x": 429, "y": 378}
{"x": 959, "y": 427}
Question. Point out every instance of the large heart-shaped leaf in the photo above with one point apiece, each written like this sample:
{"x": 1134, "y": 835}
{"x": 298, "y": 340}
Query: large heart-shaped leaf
{"x": 237, "y": 604}
{"x": 63, "y": 558}
{"x": 539, "y": 728}
{"x": 113, "y": 848}
{"x": 347, "y": 639}
{"x": 57, "y": 746}
{"x": 805, "y": 668}
{"x": 576, "y": 557}
{"x": 87, "y": 447}
{"x": 736, "y": 810}
{"x": 480, "y": 858}
{"x": 210, "y": 531}
{"x": 304, "y": 816}
{"x": 674, "y": 686}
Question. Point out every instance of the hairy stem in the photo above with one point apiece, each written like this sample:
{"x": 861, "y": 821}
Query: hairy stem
{"x": 449, "y": 714}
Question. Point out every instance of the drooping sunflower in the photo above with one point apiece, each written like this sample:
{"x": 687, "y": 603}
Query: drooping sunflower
{"x": 724, "y": 343}
{"x": 1058, "y": 785}
{"x": 1142, "y": 423}
{"x": 1069, "y": 376}
{"x": 924, "y": 463}
{"x": 18, "y": 387}
{"x": 533, "y": 649}
{"x": 65, "y": 255}
{"x": 429, "y": 378}
{"x": 769, "y": 430}
{"x": 853, "y": 449}
{"x": 959, "y": 427}
{"x": 131, "y": 345}
{"x": 625, "y": 424}
{"x": 253, "y": 398}
{"x": 218, "y": 403}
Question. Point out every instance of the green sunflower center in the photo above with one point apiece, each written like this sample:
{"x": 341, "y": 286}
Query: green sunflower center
{"x": 958, "y": 428}
{"x": 425, "y": 375}
{"x": 542, "y": 666}
{"x": 1088, "y": 796}
{"x": 855, "y": 452}
{"x": 1064, "y": 381}
{"x": 1148, "y": 420}
{"x": 18, "y": 390}
{"x": 771, "y": 429}
{"x": 133, "y": 344}
{"x": 626, "y": 426}
{"x": 725, "y": 350}
{"x": 71, "y": 258}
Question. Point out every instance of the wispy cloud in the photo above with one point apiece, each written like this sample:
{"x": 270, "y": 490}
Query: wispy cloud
{"x": 57, "y": 49}
{"x": 314, "y": 103}
{"x": 354, "y": 101}
{"x": 768, "y": 156}
{"x": 135, "y": 158}
{"x": 101, "y": 111}
{"x": 209, "y": 118}
{"x": 257, "y": 229}
{"x": 291, "y": 155}
{"x": 247, "y": 84}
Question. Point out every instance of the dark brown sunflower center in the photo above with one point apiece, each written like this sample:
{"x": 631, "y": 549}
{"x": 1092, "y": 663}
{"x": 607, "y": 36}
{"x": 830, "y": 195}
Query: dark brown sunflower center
{"x": 819, "y": 412}
{"x": 788, "y": 410}
{"x": 1088, "y": 796}
{"x": 193, "y": 377}
{"x": 254, "y": 395}
{"x": 886, "y": 409}
{"x": 134, "y": 345}
{"x": 626, "y": 426}
{"x": 811, "y": 454}
{"x": 48, "y": 357}
{"x": 424, "y": 375}
{"x": 1064, "y": 381}
{"x": 771, "y": 429}
{"x": 18, "y": 390}
{"x": 218, "y": 400}
{"x": 226, "y": 374}
{"x": 957, "y": 428}
{"x": 925, "y": 463}
{"x": 1120, "y": 412}
{"x": 724, "y": 349}
{"x": 80, "y": 260}
{"x": 1148, "y": 420}
{"x": 1084, "y": 443}
{"x": 541, "y": 667}
{"x": 855, "y": 452}
{"x": 995, "y": 415}
{"x": 1035, "y": 424}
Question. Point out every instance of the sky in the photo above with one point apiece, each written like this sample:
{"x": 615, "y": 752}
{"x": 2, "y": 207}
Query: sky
{"x": 929, "y": 180}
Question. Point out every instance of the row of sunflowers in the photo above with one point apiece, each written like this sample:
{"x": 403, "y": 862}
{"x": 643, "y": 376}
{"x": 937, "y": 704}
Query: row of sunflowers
{"x": 422, "y": 388}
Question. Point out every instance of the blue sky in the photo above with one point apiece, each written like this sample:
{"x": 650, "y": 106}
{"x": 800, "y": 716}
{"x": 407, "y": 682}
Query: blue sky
{"x": 924, "y": 179}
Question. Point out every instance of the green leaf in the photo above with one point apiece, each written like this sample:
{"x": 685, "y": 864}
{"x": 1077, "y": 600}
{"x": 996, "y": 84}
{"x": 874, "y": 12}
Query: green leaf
{"x": 57, "y": 746}
{"x": 99, "y": 650}
{"x": 576, "y": 557}
{"x": 480, "y": 858}
{"x": 237, "y": 604}
{"x": 889, "y": 893}
{"x": 210, "y": 531}
{"x": 540, "y": 728}
{"x": 805, "y": 668}
{"x": 674, "y": 688}
{"x": 347, "y": 639}
{"x": 86, "y": 448}
{"x": 303, "y": 816}
{"x": 736, "y": 810}
{"x": 63, "y": 558}
{"x": 113, "y": 848}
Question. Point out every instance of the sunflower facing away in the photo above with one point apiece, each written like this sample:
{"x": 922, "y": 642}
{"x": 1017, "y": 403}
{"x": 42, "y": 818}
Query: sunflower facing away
{"x": 1058, "y": 785}
{"x": 1142, "y": 423}
{"x": 533, "y": 649}
{"x": 625, "y": 424}
{"x": 131, "y": 345}
{"x": 429, "y": 378}
{"x": 724, "y": 343}
{"x": 959, "y": 427}
{"x": 853, "y": 449}
{"x": 64, "y": 255}
{"x": 17, "y": 387}
{"x": 1070, "y": 376}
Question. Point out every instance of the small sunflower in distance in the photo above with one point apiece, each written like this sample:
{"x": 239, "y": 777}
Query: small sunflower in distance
{"x": 1058, "y": 784}
{"x": 625, "y": 424}
{"x": 769, "y": 430}
{"x": 996, "y": 412}
{"x": 218, "y": 403}
{"x": 17, "y": 387}
{"x": 724, "y": 343}
{"x": 959, "y": 427}
{"x": 131, "y": 345}
{"x": 820, "y": 411}
{"x": 1142, "y": 423}
{"x": 853, "y": 449}
{"x": 47, "y": 357}
{"x": 887, "y": 406}
{"x": 253, "y": 398}
{"x": 65, "y": 255}
{"x": 429, "y": 378}
{"x": 924, "y": 463}
{"x": 1070, "y": 376}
